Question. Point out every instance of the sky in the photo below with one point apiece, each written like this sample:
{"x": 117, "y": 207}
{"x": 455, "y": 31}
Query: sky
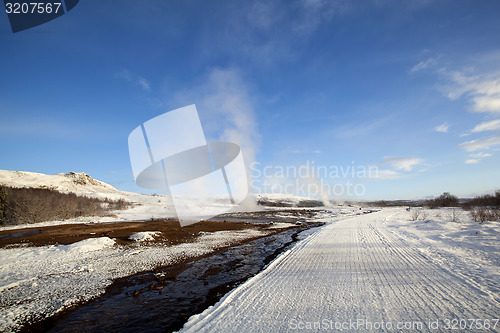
{"x": 375, "y": 99}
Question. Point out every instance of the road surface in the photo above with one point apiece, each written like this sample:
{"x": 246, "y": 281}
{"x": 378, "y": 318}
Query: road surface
{"x": 358, "y": 274}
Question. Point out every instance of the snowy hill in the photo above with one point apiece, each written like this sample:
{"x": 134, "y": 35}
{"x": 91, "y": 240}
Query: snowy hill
{"x": 64, "y": 182}
{"x": 144, "y": 207}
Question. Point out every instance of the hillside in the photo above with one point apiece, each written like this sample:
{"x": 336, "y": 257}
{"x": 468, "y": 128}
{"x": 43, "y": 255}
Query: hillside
{"x": 64, "y": 182}
{"x": 75, "y": 186}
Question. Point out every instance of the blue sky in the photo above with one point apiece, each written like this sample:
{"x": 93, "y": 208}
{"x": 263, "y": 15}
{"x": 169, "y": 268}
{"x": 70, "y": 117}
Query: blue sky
{"x": 411, "y": 88}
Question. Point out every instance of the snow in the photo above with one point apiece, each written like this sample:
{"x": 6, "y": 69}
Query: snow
{"x": 69, "y": 182}
{"x": 388, "y": 266}
{"x": 374, "y": 269}
{"x": 144, "y": 236}
{"x": 36, "y": 282}
{"x": 88, "y": 245}
{"x": 281, "y": 225}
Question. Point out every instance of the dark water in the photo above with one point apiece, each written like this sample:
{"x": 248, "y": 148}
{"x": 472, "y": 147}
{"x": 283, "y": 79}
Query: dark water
{"x": 163, "y": 300}
{"x": 20, "y": 234}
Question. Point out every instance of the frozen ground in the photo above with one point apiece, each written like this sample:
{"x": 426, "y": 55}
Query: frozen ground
{"x": 36, "y": 282}
{"x": 374, "y": 272}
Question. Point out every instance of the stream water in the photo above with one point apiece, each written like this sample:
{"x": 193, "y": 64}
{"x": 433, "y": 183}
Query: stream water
{"x": 163, "y": 300}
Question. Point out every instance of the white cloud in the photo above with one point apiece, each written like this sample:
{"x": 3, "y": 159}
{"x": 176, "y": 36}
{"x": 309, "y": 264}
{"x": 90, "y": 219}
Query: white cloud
{"x": 483, "y": 91}
{"x": 487, "y": 103}
{"x": 481, "y": 144}
{"x": 443, "y": 128}
{"x": 480, "y": 155}
{"x": 423, "y": 65}
{"x": 477, "y": 157}
{"x": 402, "y": 163}
{"x": 493, "y": 125}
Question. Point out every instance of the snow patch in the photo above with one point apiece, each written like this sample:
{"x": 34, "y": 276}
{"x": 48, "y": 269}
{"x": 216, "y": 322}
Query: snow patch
{"x": 144, "y": 236}
{"x": 89, "y": 245}
{"x": 281, "y": 225}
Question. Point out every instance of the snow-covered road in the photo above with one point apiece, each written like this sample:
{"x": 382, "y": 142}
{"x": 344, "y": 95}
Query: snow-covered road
{"x": 376, "y": 272}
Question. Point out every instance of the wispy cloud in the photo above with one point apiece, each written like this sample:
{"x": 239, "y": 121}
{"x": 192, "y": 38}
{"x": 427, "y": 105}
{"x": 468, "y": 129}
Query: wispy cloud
{"x": 302, "y": 151}
{"x": 144, "y": 84}
{"x": 396, "y": 167}
{"x": 268, "y": 31}
{"x": 401, "y": 163}
{"x": 476, "y": 157}
{"x": 481, "y": 144}
{"x": 443, "y": 128}
{"x": 423, "y": 65}
{"x": 492, "y": 125}
{"x": 480, "y": 155}
{"x": 316, "y": 12}
{"x": 483, "y": 91}
{"x": 127, "y": 76}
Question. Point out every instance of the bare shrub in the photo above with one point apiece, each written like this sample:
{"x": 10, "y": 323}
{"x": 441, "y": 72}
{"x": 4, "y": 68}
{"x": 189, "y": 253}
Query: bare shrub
{"x": 487, "y": 200}
{"x": 455, "y": 215}
{"x": 483, "y": 214}
{"x": 415, "y": 213}
{"x": 484, "y": 208}
{"x": 418, "y": 214}
{"x": 32, "y": 205}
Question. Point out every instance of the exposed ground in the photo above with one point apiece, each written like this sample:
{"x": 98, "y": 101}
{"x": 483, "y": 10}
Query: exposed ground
{"x": 171, "y": 232}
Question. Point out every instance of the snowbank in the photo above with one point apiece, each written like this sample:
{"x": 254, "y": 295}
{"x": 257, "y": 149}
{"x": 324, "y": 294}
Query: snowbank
{"x": 88, "y": 245}
{"x": 144, "y": 236}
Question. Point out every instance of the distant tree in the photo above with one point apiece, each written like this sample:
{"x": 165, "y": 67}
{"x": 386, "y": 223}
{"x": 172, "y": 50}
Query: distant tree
{"x": 444, "y": 200}
{"x": 32, "y": 205}
{"x": 484, "y": 207}
{"x": 488, "y": 200}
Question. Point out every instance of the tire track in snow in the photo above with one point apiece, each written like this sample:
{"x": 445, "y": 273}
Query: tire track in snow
{"x": 350, "y": 270}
